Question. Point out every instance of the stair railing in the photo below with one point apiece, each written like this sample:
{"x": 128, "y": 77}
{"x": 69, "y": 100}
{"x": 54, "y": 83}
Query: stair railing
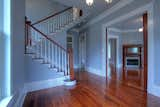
{"x": 54, "y": 23}
{"x": 52, "y": 53}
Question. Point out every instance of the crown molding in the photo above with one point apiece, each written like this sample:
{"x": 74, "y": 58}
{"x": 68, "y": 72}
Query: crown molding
{"x": 123, "y": 31}
{"x": 109, "y": 11}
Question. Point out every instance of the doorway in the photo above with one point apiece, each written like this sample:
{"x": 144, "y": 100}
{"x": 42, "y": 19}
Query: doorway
{"x": 132, "y": 76}
{"x": 112, "y": 55}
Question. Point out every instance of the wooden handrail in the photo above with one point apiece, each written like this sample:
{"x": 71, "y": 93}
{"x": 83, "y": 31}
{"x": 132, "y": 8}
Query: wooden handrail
{"x": 51, "y": 40}
{"x": 51, "y": 16}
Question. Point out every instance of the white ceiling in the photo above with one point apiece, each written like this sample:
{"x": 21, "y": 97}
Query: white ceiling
{"x": 130, "y": 24}
{"x": 98, "y": 7}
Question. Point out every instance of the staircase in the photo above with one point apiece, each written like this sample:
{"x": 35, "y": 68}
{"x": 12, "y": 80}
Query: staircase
{"x": 63, "y": 20}
{"x": 40, "y": 46}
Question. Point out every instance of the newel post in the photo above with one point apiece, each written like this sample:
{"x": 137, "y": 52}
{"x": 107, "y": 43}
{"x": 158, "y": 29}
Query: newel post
{"x": 72, "y": 75}
{"x": 27, "y": 32}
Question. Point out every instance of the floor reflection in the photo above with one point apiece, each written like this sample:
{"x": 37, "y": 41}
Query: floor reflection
{"x": 131, "y": 77}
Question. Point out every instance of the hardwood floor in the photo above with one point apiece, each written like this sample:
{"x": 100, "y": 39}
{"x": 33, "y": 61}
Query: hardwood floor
{"x": 91, "y": 91}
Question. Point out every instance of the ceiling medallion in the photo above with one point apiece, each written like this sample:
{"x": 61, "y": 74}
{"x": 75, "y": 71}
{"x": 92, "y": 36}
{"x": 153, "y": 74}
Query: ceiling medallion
{"x": 109, "y": 1}
{"x": 90, "y": 2}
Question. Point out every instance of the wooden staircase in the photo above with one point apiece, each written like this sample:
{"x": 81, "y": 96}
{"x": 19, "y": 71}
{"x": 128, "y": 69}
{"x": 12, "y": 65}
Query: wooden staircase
{"x": 40, "y": 46}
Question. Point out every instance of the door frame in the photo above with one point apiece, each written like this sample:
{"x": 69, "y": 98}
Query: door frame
{"x": 148, "y": 8}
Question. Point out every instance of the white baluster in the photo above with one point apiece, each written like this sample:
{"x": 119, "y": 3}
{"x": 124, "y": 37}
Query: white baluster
{"x": 62, "y": 61}
{"x": 54, "y": 25}
{"x": 64, "y": 64}
{"x": 59, "y": 59}
{"x": 49, "y": 50}
{"x": 41, "y": 48}
{"x": 52, "y": 55}
{"x": 45, "y": 50}
{"x": 56, "y": 56}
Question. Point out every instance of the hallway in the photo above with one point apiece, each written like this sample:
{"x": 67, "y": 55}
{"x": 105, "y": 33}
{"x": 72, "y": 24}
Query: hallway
{"x": 91, "y": 91}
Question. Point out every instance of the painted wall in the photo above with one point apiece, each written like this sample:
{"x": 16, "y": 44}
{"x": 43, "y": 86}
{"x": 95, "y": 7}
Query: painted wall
{"x": 94, "y": 37}
{"x": 1, "y": 18}
{"x": 157, "y": 40}
{"x": 2, "y": 51}
{"x": 35, "y": 71}
{"x": 36, "y": 10}
{"x": 94, "y": 44}
{"x": 17, "y": 44}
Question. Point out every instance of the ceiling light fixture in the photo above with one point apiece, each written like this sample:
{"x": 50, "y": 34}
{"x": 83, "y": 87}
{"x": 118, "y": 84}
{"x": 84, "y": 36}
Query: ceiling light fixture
{"x": 109, "y": 1}
{"x": 89, "y": 2}
{"x": 140, "y": 29}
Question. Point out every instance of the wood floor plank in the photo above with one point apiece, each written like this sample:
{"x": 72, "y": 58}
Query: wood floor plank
{"x": 91, "y": 91}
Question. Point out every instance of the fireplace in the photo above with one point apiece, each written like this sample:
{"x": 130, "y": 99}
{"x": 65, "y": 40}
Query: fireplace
{"x": 133, "y": 62}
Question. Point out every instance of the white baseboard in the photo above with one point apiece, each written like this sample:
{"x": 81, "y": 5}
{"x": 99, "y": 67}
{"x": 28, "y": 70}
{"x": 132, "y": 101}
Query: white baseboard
{"x": 96, "y": 71}
{"x": 5, "y": 101}
{"x": 19, "y": 97}
{"x": 34, "y": 86}
{"x": 154, "y": 90}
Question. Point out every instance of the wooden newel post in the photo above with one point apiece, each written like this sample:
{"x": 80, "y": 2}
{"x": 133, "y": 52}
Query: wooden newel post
{"x": 72, "y": 76}
{"x": 28, "y": 31}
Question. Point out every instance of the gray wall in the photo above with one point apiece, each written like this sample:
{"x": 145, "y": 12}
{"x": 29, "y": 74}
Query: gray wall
{"x": 94, "y": 37}
{"x": 157, "y": 40}
{"x": 38, "y": 9}
{"x": 35, "y": 71}
{"x": 94, "y": 44}
{"x": 17, "y": 44}
{"x": 2, "y": 51}
{"x": 1, "y": 18}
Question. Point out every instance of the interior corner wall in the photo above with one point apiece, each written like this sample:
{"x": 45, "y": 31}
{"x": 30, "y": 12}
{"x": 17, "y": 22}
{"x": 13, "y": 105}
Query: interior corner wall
{"x": 157, "y": 41}
{"x": 17, "y": 44}
{"x": 94, "y": 49}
